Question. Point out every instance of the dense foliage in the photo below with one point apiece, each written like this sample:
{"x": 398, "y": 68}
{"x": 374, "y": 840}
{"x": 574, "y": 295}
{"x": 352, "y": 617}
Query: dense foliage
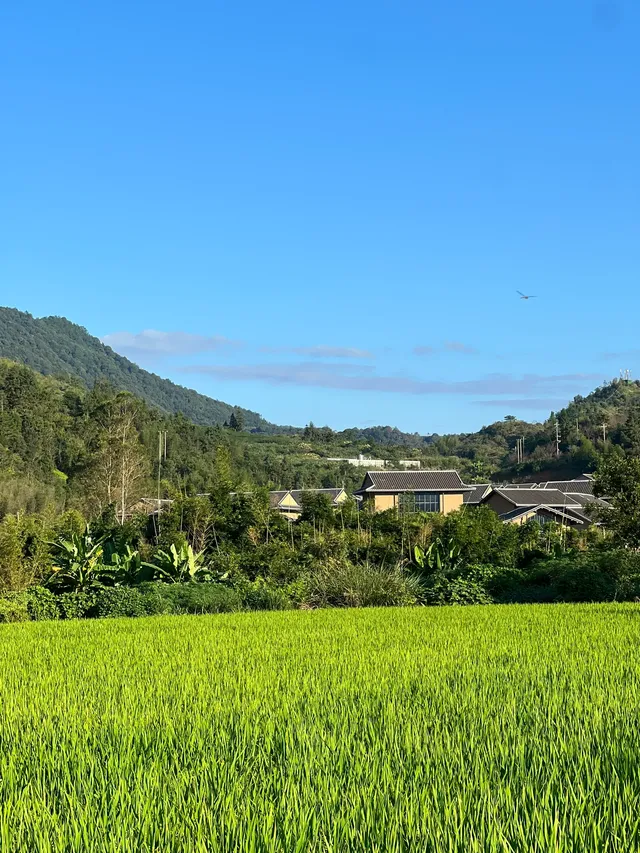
{"x": 458, "y": 729}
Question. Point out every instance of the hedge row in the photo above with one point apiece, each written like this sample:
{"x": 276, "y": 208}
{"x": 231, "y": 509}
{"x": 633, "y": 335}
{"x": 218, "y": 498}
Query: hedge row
{"x": 37, "y": 603}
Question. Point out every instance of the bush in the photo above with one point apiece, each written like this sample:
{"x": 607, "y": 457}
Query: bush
{"x": 121, "y": 601}
{"x": 42, "y": 604}
{"x": 262, "y": 594}
{"x": 443, "y": 590}
{"x": 13, "y": 608}
{"x": 584, "y": 583}
{"x": 340, "y": 583}
{"x": 75, "y": 605}
{"x": 191, "y": 598}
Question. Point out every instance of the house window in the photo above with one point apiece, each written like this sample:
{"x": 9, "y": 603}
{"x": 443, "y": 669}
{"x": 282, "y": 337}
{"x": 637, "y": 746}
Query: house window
{"x": 541, "y": 519}
{"x": 420, "y": 502}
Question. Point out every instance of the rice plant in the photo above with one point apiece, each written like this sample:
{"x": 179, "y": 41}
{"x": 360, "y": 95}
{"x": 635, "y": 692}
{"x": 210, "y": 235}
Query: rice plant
{"x": 512, "y": 728}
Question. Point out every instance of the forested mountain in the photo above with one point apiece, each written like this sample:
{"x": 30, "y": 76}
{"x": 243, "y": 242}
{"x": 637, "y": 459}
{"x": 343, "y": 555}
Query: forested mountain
{"x": 55, "y": 346}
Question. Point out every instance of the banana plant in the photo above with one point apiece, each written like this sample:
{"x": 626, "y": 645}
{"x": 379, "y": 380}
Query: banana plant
{"x": 176, "y": 566}
{"x": 78, "y": 563}
{"x": 129, "y": 567}
{"x": 439, "y": 555}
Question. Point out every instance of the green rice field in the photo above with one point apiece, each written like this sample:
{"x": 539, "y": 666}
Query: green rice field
{"x": 498, "y": 728}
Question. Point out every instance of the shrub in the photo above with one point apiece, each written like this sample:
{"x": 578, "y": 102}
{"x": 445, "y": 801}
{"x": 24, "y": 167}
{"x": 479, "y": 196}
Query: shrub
{"x": 584, "y": 583}
{"x": 75, "y": 605}
{"x": 340, "y": 583}
{"x": 443, "y": 590}
{"x": 262, "y": 594}
{"x": 13, "y": 608}
{"x": 121, "y": 601}
{"x": 42, "y": 604}
{"x": 191, "y": 598}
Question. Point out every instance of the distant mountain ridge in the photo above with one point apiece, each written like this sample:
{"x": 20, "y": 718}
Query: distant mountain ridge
{"x": 56, "y": 346}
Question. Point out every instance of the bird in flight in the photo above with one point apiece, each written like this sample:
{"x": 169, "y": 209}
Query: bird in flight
{"x": 522, "y": 295}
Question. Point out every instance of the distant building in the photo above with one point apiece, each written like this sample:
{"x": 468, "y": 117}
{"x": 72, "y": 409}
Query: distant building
{"x": 290, "y": 502}
{"x": 413, "y": 491}
{"x": 364, "y": 462}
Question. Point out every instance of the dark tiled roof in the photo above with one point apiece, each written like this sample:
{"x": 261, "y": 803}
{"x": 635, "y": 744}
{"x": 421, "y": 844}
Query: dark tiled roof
{"x": 516, "y": 513}
{"x": 580, "y": 515}
{"x": 586, "y": 499}
{"x": 413, "y": 481}
{"x": 584, "y": 487}
{"x": 277, "y": 496}
{"x": 476, "y": 494}
{"x": 516, "y": 486}
{"x": 535, "y": 497}
{"x": 560, "y": 514}
{"x": 332, "y": 494}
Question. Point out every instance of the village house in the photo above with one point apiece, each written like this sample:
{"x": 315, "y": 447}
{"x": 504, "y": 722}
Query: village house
{"x": 413, "y": 491}
{"x": 290, "y": 501}
{"x": 517, "y": 505}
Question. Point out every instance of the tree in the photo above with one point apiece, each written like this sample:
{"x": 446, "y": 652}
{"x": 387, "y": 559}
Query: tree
{"x": 629, "y": 435}
{"x": 617, "y": 478}
{"x": 318, "y": 510}
{"x": 236, "y": 421}
{"x": 119, "y": 469}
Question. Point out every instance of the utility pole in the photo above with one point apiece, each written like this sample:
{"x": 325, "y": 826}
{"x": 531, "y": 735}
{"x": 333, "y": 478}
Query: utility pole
{"x": 162, "y": 454}
{"x": 604, "y": 433}
{"x": 557, "y": 438}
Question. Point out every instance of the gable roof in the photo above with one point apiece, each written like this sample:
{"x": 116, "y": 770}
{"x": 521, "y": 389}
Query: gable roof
{"x": 584, "y": 487}
{"x": 561, "y": 514}
{"x": 476, "y": 494}
{"x": 515, "y": 485}
{"x": 586, "y": 500}
{"x": 332, "y": 494}
{"x": 534, "y": 497}
{"x": 516, "y": 512}
{"x": 276, "y": 499}
{"x": 413, "y": 481}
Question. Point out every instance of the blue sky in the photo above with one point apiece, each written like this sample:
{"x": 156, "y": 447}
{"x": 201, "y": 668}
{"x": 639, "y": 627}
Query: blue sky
{"x": 323, "y": 211}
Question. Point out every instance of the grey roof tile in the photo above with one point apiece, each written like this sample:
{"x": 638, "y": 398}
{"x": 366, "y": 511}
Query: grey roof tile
{"x": 332, "y": 494}
{"x": 413, "y": 481}
{"x": 584, "y": 487}
{"x": 534, "y": 497}
{"x": 476, "y": 494}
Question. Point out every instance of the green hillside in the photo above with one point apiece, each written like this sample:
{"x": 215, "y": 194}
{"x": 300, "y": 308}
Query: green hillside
{"x": 55, "y": 346}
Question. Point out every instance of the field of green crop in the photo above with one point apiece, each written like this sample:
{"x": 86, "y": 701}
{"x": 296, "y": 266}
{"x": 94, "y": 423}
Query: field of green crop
{"x": 444, "y": 729}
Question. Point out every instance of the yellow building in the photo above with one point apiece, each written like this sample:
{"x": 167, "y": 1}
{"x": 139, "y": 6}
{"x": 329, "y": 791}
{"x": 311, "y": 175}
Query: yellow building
{"x": 290, "y": 501}
{"x": 413, "y": 491}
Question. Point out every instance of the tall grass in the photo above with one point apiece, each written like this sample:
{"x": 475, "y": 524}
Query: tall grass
{"x": 511, "y": 728}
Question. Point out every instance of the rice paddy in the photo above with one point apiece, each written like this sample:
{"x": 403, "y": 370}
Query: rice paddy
{"x": 445, "y": 729}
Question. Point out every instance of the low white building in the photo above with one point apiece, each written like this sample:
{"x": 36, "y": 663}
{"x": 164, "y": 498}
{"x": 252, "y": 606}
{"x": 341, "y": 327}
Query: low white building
{"x": 363, "y": 462}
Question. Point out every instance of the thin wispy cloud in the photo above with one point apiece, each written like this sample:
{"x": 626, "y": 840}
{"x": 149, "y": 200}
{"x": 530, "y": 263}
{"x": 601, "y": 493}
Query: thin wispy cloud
{"x": 548, "y": 404}
{"x": 457, "y": 346}
{"x": 345, "y": 377}
{"x": 321, "y": 351}
{"x": 152, "y": 343}
{"x": 447, "y": 346}
{"x": 630, "y": 353}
